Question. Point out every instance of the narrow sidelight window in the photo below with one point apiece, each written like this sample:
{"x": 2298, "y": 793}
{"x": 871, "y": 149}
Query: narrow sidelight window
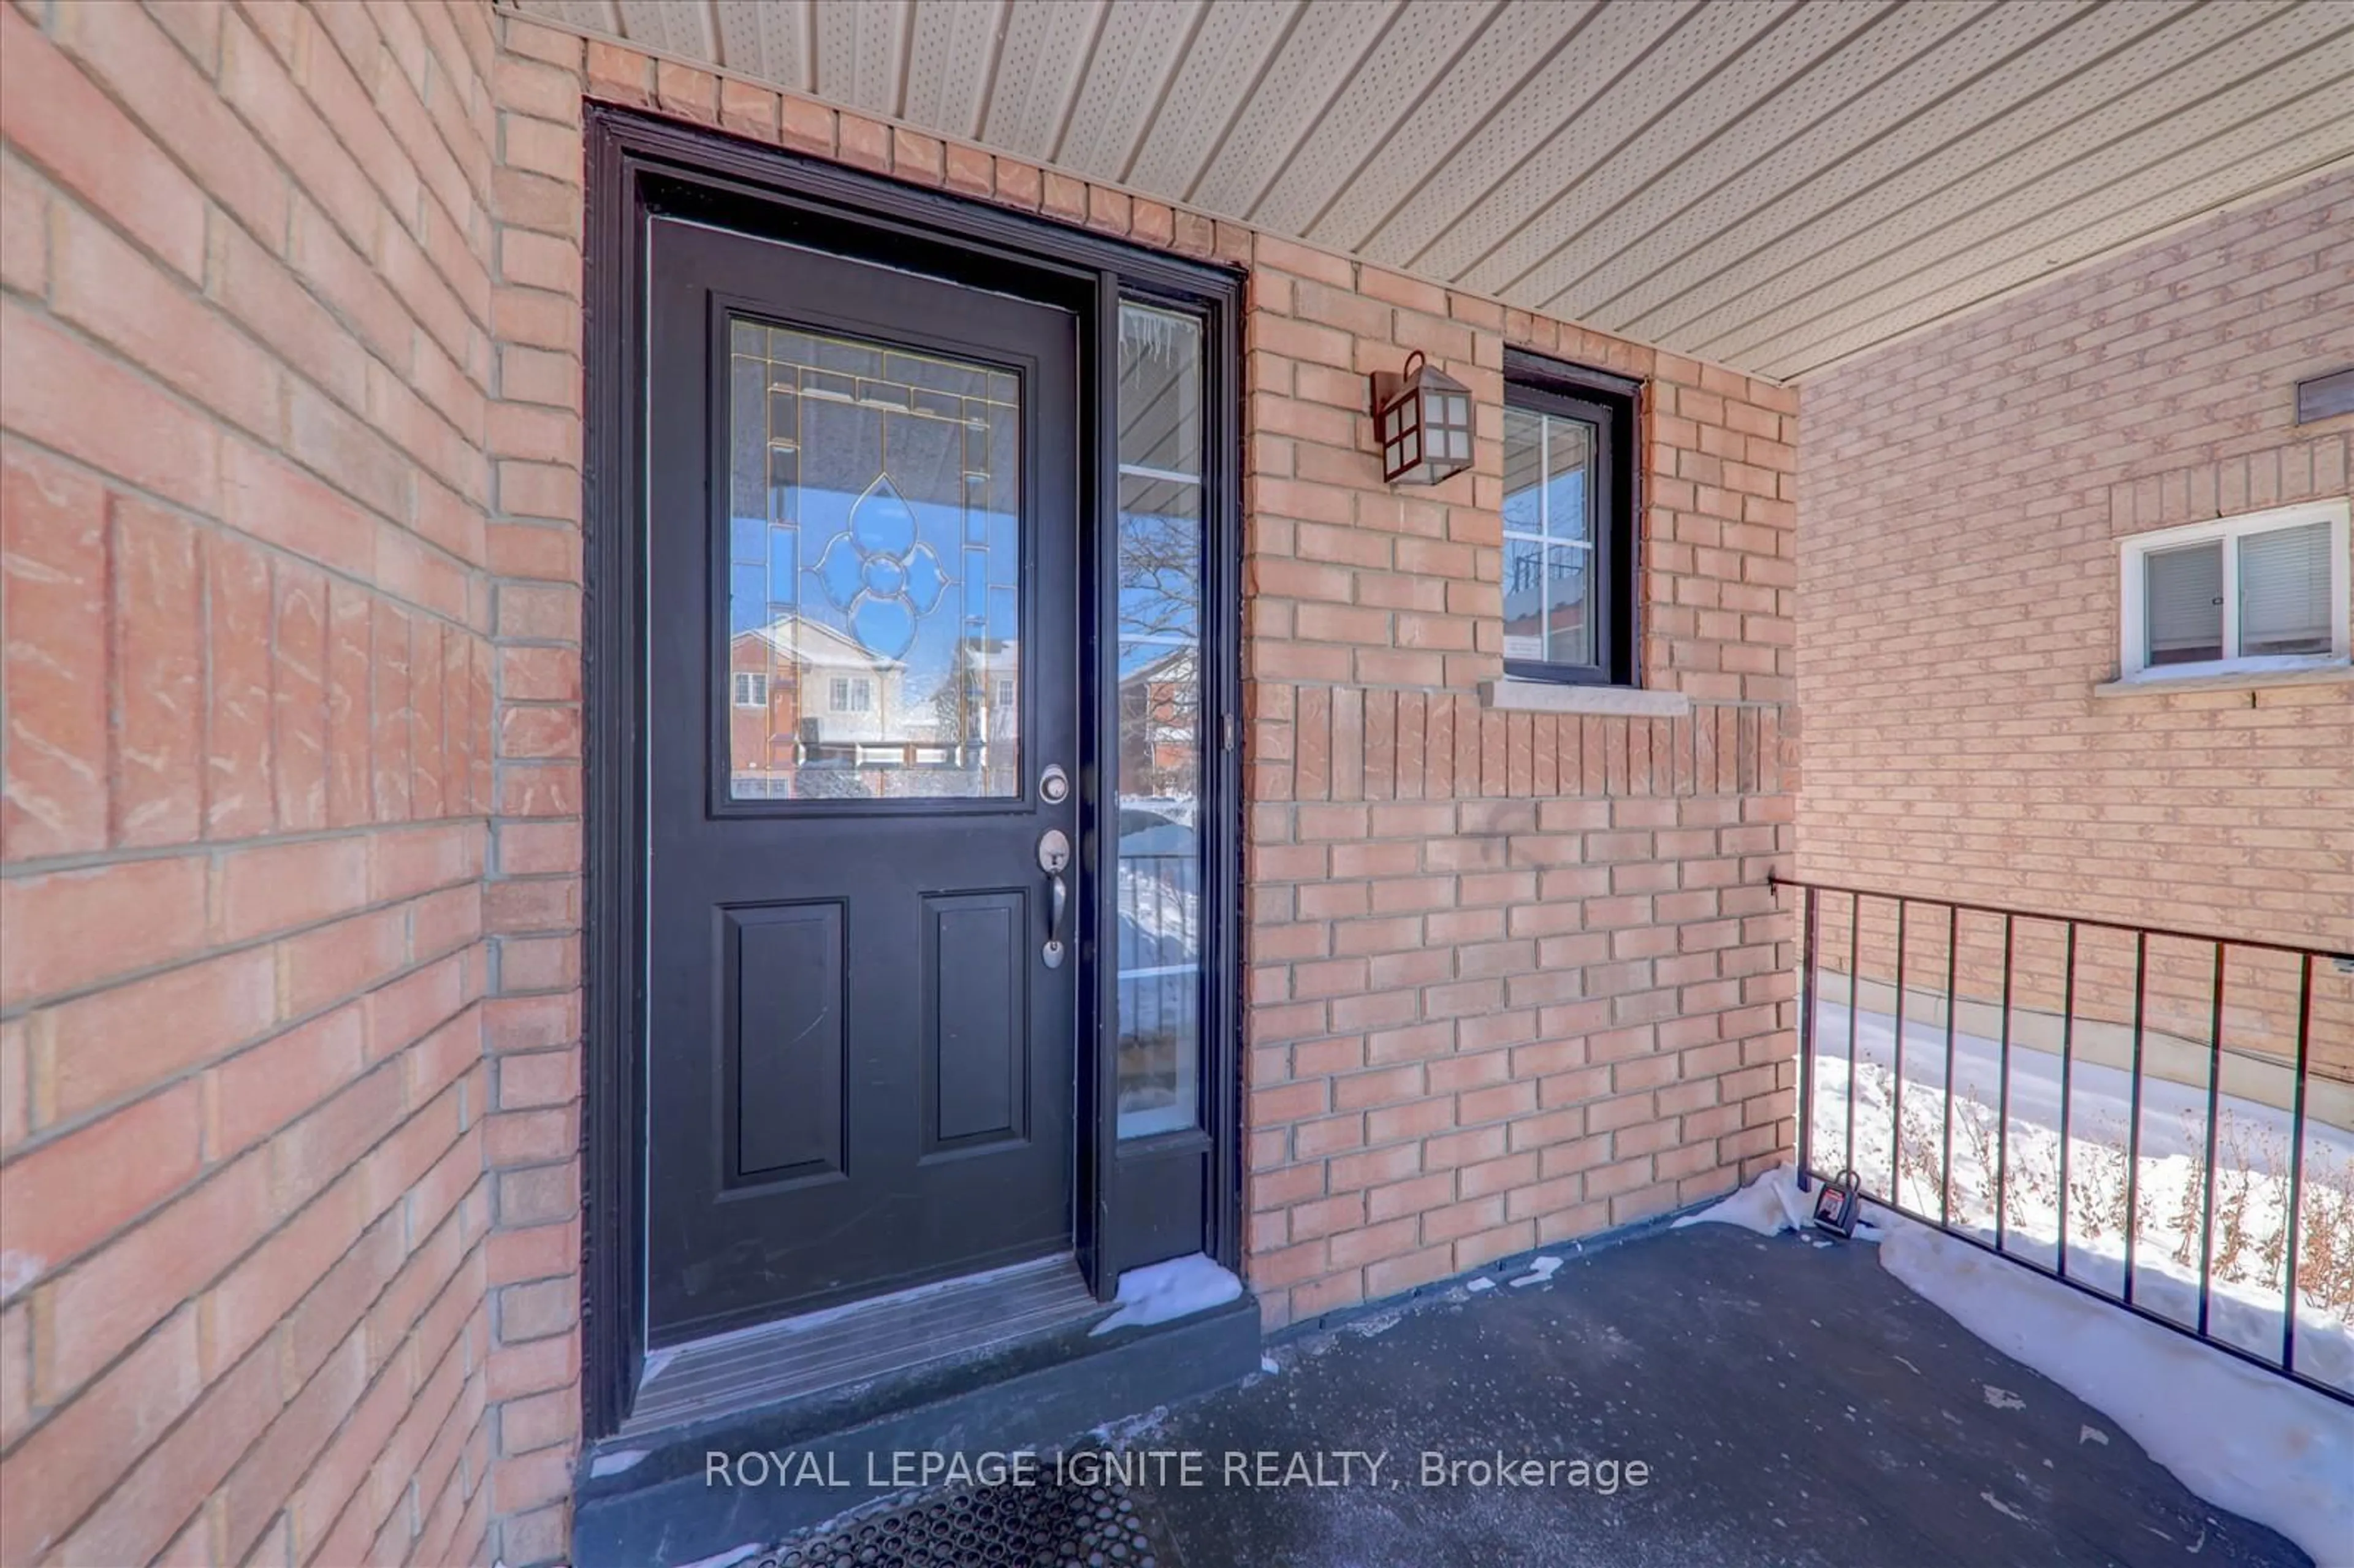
{"x": 1157, "y": 835}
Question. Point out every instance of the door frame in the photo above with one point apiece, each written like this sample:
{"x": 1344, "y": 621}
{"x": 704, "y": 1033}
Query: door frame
{"x": 638, "y": 165}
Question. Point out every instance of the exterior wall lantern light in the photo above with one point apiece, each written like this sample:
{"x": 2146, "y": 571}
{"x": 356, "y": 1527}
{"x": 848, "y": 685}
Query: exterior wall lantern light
{"x": 1423, "y": 420}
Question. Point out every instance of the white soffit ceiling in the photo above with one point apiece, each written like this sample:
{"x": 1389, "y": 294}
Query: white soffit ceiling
{"x": 1774, "y": 184}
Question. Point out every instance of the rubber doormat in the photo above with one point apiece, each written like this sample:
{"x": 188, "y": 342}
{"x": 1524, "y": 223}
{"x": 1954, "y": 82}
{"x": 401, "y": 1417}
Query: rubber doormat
{"x": 1042, "y": 1526}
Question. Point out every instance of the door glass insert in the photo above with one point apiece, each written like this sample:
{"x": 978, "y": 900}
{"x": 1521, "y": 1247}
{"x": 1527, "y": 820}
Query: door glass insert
{"x": 1548, "y": 537}
{"x": 1157, "y": 768}
{"x": 874, "y": 571}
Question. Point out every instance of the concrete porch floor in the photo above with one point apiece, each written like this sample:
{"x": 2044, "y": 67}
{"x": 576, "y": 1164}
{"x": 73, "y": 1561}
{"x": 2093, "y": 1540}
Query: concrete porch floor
{"x": 1794, "y": 1404}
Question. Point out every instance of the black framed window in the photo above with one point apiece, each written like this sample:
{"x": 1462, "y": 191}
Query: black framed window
{"x": 1569, "y": 535}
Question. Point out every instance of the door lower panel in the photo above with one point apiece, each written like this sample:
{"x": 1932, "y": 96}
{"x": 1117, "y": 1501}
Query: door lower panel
{"x": 976, "y": 1038}
{"x": 784, "y": 986}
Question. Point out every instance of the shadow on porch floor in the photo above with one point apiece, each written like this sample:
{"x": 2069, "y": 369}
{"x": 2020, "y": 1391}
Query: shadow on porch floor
{"x": 1792, "y": 1403}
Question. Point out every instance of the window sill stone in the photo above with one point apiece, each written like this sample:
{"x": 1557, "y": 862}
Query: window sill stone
{"x": 2149, "y": 685}
{"x": 1551, "y": 697}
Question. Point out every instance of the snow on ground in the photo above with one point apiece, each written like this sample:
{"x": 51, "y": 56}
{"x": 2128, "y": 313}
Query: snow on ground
{"x": 1541, "y": 1268}
{"x": 2247, "y": 1257}
{"x": 2243, "y": 1438}
{"x": 1767, "y": 1205}
{"x": 1161, "y": 1292}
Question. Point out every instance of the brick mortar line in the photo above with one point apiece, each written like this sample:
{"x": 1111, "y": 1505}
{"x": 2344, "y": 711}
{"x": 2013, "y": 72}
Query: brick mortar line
{"x": 41, "y": 1139}
{"x": 97, "y": 860}
{"x": 115, "y": 484}
{"x": 268, "y": 1343}
{"x": 1323, "y": 1162}
{"x": 294, "y": 184}
{"x": 197, "y": 291}
{"x": 455, "y": 1087}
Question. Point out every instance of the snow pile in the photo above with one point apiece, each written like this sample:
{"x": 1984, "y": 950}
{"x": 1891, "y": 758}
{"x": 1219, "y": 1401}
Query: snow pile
{"x": 2251, "y": 1185}
{"x": 2243, "y": 1438}
{"x": 1162, "y": 1292}
{"x": 1769, "y": 1205}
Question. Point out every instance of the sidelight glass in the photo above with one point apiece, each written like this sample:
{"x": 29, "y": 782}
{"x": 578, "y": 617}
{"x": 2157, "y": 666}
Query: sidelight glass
{"x": 874, "y": 571}
{"x": 1157, "y": 860}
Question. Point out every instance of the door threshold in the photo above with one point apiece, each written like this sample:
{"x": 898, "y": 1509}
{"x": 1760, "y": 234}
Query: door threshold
{"x": 691, "y": 1494}
{"x": 883, "y": 1335}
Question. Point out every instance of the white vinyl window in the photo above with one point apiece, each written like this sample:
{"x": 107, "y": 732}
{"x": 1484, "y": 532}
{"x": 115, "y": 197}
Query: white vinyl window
{"x": 851, "y": 696}
{"x": 2263, "y": 591}
{"x": 751, "y": 689}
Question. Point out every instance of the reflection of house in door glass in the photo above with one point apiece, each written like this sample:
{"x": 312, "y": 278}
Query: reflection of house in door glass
{"x": 873, "y": 562}
{"x": 1160, "y": 709}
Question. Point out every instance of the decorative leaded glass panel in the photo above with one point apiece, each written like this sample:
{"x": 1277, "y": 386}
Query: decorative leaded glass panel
{"x": 874, "y": 566}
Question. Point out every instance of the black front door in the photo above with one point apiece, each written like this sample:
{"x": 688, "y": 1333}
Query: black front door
{"x": 862, "y": 726}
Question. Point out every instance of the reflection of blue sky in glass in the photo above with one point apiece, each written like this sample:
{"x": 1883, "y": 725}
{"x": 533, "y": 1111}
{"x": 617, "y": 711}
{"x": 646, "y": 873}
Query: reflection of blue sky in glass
{"x": 935, "y": 556}
{"x": 1523, "y": 513}
{"x": 873, "y": 531}
{"x": 1157, "y": 887}
{"x": 1548, "y": 532}
{"x": 1157, "y": 614}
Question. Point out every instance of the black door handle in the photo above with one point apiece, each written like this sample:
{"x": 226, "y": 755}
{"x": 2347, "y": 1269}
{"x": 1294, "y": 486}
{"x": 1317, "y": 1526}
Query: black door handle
{"x": 1053, "y": 854}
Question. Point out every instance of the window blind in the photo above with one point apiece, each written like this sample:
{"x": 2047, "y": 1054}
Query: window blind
{"x": 2184, "y": 589}
{"x": 2285, "y": 591}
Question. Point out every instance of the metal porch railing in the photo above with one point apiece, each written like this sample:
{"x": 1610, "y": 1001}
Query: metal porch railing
{"x": 2222, "y": 1207}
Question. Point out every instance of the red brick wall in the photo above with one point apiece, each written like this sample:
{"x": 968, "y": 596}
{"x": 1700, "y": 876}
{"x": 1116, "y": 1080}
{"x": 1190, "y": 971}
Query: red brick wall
{"x": 531, "y": 896}
{"x": 1514, "y": 977}
{"x": 1965, "y": 492}
{"x": 254, "y": 1276}
{"x": 291, "y": 846}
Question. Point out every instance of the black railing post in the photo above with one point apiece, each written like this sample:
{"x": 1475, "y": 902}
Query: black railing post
{"x": 1807, "y": 1001}
{"x": 1811, "y": 964}
{"x": 1854, "y": 1006}
{"x": 2133, "y": 1128}
{"x": 1946, "y": 1159}
{"x": 2296, "y": 1159}
{"x": 1896, "y": 1104}
{"x": 2214, "y": 1104}
{"x": 2067, "y": 1057}
{"x": 2002, "y": 1096}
